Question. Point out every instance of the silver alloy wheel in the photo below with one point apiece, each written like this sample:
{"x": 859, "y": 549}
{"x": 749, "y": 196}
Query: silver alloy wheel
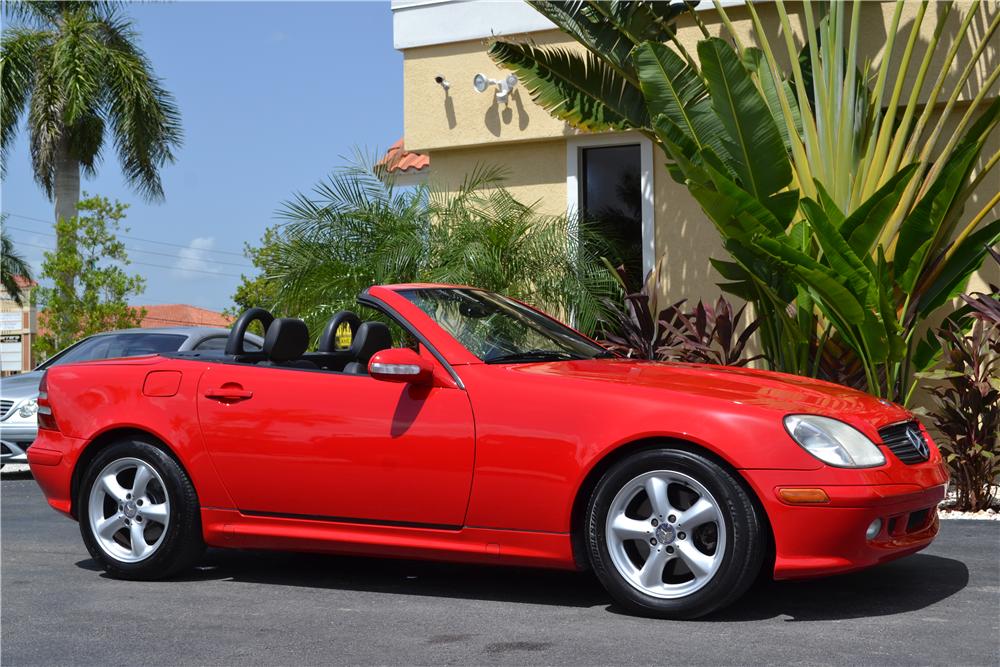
{"x": 129, "y": 511}
{"x": 664, "y": 550}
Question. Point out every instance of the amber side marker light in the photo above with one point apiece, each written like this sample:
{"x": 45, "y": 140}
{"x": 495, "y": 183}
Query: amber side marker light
{"x": 803, "y": 496}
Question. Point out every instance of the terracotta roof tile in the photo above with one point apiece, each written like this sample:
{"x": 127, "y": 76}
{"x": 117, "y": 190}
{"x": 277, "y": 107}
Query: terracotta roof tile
{"x": 398, "y": 159}
{"x": 182, "y": 315}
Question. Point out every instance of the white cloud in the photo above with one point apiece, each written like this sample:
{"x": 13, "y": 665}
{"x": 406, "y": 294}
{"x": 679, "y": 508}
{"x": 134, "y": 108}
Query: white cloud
{"x": 194, "y": 262}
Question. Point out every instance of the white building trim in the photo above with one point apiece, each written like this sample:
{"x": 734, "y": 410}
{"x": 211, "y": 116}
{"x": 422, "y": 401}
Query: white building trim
{"x": 575, "y": 144}
{"x": 428, "y": 22}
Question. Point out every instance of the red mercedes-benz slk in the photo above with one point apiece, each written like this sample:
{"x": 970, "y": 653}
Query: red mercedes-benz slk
{"x": 457, "y": 424}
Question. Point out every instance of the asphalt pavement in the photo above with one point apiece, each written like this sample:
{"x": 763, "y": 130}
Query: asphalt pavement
{"x": 941, "y": 606}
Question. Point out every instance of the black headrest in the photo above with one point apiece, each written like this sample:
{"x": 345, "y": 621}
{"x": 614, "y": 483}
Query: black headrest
{"x": 372, "y": 337}
{"x": 286, "y": 339}
{"x": 328, "y": 339}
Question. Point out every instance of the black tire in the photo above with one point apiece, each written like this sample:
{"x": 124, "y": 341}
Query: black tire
{"x": 181, "y": 543}
{"x": 745, "y": 542}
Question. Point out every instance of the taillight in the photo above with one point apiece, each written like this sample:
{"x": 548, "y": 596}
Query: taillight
{"x": 46, "y": 420}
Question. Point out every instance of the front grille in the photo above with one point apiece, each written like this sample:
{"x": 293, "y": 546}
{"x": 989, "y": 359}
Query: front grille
{"x": 5, "y": 406}
{"x": 906, "y": 441}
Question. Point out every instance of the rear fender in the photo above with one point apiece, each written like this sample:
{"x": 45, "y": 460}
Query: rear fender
{"x": 103, "y": 403}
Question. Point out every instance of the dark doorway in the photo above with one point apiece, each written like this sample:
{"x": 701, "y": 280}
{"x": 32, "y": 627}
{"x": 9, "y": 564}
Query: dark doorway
{"x": 611, "y": 203}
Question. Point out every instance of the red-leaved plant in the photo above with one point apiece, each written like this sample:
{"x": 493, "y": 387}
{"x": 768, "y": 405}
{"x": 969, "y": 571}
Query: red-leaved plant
{"x": 709, "y": 334}
{"x": 966, "y": 395}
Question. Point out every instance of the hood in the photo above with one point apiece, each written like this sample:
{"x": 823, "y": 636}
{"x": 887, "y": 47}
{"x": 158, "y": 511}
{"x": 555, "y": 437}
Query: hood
{"x": 779, "y": 392}
{"x": 17, "y": 387}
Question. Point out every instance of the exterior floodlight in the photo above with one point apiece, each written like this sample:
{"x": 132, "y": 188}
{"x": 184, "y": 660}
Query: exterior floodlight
{"x": 503, "y": 87}
{"x": 506, "y": 87}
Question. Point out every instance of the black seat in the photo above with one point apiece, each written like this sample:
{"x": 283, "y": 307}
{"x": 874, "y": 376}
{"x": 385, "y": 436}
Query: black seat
{"x": 372, "y": 337}
{"x": 285, "y": 342}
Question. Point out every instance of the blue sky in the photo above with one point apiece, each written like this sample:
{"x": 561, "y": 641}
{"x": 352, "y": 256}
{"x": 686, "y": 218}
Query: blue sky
{"x": 273, "y": 95}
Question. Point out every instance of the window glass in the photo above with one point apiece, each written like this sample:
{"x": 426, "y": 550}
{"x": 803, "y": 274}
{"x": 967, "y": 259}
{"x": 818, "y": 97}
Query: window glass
{"x": 400, "y": 336}
{"x": 118, "y": 345}
{"x": 611, "y": 202}
{"x": 218, "y": 343}
{"x": 499, "y": 330}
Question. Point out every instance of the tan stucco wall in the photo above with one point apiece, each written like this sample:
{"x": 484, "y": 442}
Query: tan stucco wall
{"x": 463, "y": 127}
{"x": 462, "y": 117}
{"x": 536, "y": 171}
{"x": 433, "y": 119}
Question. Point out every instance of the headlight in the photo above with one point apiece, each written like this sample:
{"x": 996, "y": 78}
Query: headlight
{"x": 28, "y": 408}
{"x": 834, "y": 442}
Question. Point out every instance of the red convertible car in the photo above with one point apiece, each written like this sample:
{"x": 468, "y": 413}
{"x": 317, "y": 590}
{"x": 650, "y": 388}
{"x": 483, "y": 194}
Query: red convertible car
{"x": 456, "y": 424}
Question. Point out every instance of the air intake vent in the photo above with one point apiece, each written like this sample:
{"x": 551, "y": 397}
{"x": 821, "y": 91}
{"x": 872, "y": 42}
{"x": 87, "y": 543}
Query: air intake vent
{"x": 906, "y": 441}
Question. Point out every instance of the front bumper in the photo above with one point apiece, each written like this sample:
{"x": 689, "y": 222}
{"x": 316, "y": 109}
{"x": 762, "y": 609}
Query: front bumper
{"x": 15, "y": 438}
{"x": 828, "y": 538}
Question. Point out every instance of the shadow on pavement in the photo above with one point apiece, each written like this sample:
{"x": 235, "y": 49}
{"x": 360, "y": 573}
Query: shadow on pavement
{"x": 906, "y": 585}
{"x": 400, "y": 577}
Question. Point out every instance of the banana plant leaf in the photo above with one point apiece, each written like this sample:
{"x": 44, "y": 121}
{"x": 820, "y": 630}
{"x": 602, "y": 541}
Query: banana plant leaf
{"x": 753, "y": 139}
{"x": 918, "y": 230}
{"x": 673, "y": 88}
{"x": 963, "y": 262}
{"x": 862, "y": 227}
{"x": 838, "y": 254}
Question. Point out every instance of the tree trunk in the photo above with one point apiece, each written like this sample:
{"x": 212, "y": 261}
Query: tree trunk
{"x": 67, "y": 184}
{"x": 67, "y": 197}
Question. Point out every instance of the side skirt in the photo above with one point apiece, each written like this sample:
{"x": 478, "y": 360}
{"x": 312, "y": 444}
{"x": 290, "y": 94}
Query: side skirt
{"x": 232, "y": 529}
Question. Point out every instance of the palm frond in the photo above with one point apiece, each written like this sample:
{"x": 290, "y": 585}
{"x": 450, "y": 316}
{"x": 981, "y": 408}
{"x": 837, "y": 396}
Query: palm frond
{"x": 354, "y": 230}
{"x": 45, "y": 121}
{"x": 13, "y": 266}
{"x": 143, "y": 116}
{"x": 579, "y": 88}
{"x": 19, "y": 54}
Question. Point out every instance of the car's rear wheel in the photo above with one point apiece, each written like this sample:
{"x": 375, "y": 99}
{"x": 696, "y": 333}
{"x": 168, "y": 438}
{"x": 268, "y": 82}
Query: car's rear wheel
{"x": 139, "y": 512}
{"x": 672, "y": 534}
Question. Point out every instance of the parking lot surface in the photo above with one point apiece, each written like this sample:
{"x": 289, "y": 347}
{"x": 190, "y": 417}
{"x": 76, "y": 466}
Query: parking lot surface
{"x": 940, "y": 606}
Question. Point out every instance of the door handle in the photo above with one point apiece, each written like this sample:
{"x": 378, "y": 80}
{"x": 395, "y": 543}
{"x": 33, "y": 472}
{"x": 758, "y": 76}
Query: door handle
{"x": 228, "y": 394}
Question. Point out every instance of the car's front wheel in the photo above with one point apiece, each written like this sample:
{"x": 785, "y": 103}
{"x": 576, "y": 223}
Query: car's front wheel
{"x": 672, "y": 534}
{"x": 139, "y": 512}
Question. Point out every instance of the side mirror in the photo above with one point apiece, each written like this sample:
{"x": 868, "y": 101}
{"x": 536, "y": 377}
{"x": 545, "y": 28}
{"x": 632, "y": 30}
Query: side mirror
{"x": 400, "y": 364}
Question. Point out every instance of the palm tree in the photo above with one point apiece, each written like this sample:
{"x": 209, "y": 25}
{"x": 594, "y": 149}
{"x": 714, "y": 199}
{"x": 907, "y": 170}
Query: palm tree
{"x": 78, "y": 70}
{"x": 12, "y": 268}
{"x": 359, "y": 228}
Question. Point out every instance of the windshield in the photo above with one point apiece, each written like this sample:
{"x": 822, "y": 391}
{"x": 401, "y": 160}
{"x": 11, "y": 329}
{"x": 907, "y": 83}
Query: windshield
{"x": 106, "y": 346}
{"x": 499, "y": 330}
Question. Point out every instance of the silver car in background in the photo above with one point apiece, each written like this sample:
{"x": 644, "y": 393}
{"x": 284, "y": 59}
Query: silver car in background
{"x": 19, "y": 393}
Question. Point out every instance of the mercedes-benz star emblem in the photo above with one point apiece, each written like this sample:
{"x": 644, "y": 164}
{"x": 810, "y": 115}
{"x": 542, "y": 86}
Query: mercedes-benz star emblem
{"x": 913, "y": 435}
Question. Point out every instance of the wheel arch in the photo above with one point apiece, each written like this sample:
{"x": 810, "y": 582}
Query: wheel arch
{"x": 623, "y": 451}
{"x": 106, "y": 439}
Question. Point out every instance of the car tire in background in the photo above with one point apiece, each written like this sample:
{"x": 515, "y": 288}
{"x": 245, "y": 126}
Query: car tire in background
{"x": 694, "y": 549}
{"x": 138, "y": 512}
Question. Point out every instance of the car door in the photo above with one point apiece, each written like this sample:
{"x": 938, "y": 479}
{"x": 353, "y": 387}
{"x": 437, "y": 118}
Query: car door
{"x": 327, "y": 445}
